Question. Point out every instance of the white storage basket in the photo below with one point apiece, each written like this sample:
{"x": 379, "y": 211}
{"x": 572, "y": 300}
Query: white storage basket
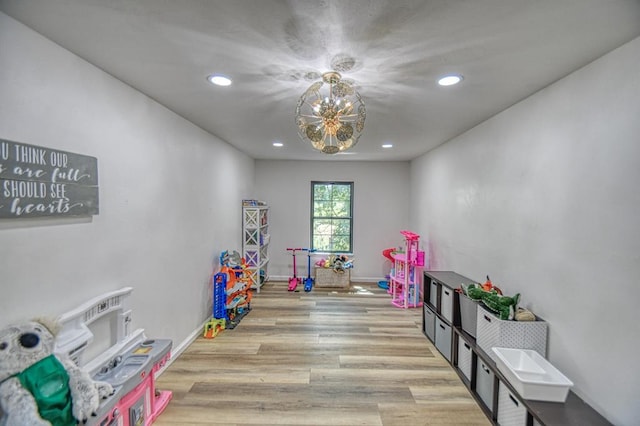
{"x": 494, "y": 332}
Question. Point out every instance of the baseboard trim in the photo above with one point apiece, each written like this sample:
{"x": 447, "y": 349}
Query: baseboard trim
{"x": 177, "y": 350}
{"x": 354, "y": 279}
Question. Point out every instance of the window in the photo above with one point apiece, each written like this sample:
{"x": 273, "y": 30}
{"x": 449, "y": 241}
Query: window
{"x": 332, "y": 216}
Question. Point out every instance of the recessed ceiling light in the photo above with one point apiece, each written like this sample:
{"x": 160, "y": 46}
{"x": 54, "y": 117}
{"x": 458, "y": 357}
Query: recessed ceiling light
{"x": 387, "y": 145}
{"x": 219, "y": 80}
{"x": 278, "y": 144}
{"x": 450, "y": 80}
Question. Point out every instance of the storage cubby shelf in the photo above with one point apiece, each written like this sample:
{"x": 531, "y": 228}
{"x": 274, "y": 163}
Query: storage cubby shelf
{"x": 501, "y": 403}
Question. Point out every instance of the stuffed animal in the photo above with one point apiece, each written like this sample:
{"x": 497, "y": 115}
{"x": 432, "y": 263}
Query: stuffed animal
{"x": 504, "y": 306}
{"x": 339, "y": 263}
{"x": 523, "y": 314}
{"x": 488, "y": 286}
{"x": 40, "y": 388}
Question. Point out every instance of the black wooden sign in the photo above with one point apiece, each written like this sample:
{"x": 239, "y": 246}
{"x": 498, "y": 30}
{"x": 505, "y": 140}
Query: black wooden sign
{"x": 37, "y": 181}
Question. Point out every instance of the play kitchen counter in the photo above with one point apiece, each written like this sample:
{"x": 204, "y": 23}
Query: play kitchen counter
{"x": 136, "y": 400}
{"x": 503, "y": 405}
{"x": 129, "y": 365}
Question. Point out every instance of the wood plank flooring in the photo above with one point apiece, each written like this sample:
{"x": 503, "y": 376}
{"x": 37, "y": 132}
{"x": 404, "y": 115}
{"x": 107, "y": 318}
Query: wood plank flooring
{"x": 320, "y": 358}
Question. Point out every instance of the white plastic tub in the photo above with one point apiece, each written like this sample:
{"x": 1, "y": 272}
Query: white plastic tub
{"x": 531, "y": 375}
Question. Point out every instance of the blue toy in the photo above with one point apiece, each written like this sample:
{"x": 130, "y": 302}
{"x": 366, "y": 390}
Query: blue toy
{"x": 308, "y": 282}
{"x": 219, "y": 296}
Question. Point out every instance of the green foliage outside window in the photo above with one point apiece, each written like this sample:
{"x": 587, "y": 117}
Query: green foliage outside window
{"x": 331, "y": 216}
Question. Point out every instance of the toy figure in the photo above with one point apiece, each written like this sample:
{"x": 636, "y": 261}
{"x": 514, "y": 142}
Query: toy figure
{"x": 40, "y": 388}
{"x": 339, "y": 263}
{"x": 504, "y": 306}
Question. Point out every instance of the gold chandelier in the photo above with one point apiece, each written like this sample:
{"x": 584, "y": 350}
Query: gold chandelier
{"x": 330, "y": 114}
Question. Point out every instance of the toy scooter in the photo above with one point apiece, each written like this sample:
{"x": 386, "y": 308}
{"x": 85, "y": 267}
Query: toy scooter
{"x": 308, "y": 282}
{"x": 293, "y": 281}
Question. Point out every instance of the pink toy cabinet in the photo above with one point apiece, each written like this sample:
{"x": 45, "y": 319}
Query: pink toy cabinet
{"x": 404, "y": 280}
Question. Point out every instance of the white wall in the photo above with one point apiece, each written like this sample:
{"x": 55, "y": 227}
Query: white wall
{"x": 169, "y": 194}
{"x": 544, "y": 198}
{"x": 381, "y": 210}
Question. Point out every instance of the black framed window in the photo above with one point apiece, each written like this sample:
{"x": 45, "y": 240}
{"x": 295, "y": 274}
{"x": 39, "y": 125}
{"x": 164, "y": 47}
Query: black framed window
{"x": 332, "y": 217}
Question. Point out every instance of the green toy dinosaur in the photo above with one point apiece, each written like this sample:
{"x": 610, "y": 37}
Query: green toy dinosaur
{"x": 504, "y": 306}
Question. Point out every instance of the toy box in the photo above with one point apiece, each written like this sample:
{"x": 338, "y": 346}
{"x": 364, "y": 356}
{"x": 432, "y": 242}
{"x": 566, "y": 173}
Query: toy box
{"x": 327, "y": 277}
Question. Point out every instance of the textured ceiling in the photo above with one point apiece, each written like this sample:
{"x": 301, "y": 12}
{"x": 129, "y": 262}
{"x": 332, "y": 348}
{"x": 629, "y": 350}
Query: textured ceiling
{"x": 506, "y": 50}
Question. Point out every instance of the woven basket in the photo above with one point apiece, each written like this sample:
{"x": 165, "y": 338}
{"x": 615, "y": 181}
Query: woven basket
{"x": 327, "y": 277}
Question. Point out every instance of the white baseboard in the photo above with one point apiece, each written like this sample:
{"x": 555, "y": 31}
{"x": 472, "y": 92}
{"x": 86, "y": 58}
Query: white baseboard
{"x": 177, "y": 350}
{"x": 354, "y": 279}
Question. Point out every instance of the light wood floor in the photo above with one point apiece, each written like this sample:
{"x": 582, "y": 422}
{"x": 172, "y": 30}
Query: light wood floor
{"x": 318, "y": 358}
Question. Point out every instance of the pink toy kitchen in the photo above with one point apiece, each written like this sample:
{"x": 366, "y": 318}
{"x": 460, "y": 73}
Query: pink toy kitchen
{"x": 98, "y": 337}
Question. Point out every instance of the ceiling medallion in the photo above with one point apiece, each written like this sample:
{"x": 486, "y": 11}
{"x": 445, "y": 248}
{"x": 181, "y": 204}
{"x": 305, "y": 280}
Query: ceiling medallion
{"x": 342, "y": 63}
{"x": 330, "y": 114}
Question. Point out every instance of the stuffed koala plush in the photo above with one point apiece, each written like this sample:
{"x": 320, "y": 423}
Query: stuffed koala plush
{"x": 38, "y": 387}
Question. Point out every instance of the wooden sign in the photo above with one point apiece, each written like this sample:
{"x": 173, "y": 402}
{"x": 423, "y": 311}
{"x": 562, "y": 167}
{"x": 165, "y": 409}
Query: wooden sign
{"x": 37, "y": 181}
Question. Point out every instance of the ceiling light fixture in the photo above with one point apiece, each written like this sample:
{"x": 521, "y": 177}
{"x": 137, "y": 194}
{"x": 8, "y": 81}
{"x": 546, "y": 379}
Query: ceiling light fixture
{"x": 278, "y": 144}
{"x": 450, "y": 80}
{"x": 387, "y": 145}
{"x": 219, "y": 80}
{"x": 331, "y": 119}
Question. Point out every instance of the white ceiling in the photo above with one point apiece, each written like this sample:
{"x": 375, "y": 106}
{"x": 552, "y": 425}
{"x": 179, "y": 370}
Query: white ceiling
{"x": 506, "y": 50}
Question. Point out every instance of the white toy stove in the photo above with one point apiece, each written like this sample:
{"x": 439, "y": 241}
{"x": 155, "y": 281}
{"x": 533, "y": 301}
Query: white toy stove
{"x": 130, "y": 364}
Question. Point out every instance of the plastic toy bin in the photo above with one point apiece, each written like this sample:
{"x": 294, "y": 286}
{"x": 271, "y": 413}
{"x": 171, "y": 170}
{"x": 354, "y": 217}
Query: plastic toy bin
{"x": 532, "y": 375}
{"x": 468, "y": 314}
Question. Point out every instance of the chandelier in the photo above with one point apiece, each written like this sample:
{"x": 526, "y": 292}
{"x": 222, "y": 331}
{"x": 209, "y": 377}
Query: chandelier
{"x": 330, "y": 114}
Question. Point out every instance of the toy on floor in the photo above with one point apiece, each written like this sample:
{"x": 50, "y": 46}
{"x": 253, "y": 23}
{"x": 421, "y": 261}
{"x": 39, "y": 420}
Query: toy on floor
{"x": 308, "y": 282}
{"x": 218, "y": 320}
{"x": 231, "y": 294}
{"x": 293, "y": 281}
{"x": 213, "y": 327}
{"x": 38, "y": 387}
{"x": 238, "y": 294}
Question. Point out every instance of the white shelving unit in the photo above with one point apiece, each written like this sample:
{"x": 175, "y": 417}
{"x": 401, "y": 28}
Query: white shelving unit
{"x": 255, "y": 241}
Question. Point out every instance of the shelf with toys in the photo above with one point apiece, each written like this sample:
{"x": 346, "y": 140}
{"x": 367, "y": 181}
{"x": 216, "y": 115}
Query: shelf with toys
{"x": 405, "y": 276}
{"x": 465, "y": 321}
{"x": 255, "y": 241}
